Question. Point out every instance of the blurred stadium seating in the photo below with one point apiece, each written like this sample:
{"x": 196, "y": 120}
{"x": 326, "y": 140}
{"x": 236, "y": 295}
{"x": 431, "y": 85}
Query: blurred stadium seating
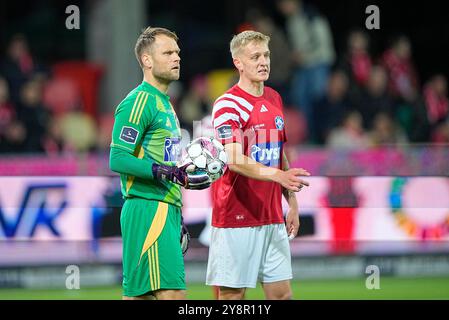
{"x": 87, "y": 78}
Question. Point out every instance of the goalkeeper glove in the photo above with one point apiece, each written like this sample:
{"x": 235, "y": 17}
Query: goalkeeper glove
{"x": 182, "y": 175}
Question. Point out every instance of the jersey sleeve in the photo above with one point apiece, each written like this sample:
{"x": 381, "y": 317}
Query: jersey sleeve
{"x": 122, "y": 162}
{"x": 229, "y": 119}
{"x": 132, "y": 118}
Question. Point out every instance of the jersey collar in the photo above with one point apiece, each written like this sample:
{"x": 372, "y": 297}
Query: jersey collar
{"x": 153, "y": 89}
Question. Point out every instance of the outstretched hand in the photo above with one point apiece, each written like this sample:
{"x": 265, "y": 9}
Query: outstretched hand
{"x": 290, "y": 179}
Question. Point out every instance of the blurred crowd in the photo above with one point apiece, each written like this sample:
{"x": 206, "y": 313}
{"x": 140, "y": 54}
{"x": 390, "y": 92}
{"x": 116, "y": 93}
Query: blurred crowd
{"x": 41, "y": 111}
{"x": 352, "y": 99}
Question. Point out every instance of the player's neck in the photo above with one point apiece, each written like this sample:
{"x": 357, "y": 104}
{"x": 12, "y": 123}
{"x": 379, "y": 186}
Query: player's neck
{"x": 254, "y": 88}
{"x": 162, "y": 86}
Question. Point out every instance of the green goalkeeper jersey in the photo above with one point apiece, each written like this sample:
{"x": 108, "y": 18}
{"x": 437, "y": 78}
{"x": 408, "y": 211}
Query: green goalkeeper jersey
{"x": 147, "y": 129}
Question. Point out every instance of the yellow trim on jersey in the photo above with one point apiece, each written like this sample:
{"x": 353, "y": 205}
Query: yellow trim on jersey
{"x": 178, "y": 126}
{"x": 134, "y": 106}
{"x": 159, "y": 104}
{"x": 157, "y": 225}
{"x": 140, "y": 153}
{"x": 141, "y": 109}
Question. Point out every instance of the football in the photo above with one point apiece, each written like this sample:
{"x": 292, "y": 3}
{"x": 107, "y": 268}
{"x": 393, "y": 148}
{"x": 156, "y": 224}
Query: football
{"x": 207, "y": 154}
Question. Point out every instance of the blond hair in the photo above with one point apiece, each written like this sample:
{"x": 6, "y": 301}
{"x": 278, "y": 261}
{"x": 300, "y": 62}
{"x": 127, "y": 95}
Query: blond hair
{"x": 243, "y": 38}
{"x": 147, "y": 38}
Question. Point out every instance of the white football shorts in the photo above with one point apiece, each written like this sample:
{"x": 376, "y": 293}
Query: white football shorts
{"x": 241, "y": 257}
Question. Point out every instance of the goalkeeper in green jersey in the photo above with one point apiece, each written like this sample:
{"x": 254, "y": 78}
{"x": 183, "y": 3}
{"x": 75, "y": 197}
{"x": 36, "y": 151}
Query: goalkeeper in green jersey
{"x": 145, "y": 151}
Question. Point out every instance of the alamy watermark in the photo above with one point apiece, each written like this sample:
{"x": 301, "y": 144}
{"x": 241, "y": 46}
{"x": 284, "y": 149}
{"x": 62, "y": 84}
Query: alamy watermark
{"x": 373, "y": 280}
{"x": 373, "y": 20}
{"x": 73, "y": 20}
{"x": 72, "y": 281}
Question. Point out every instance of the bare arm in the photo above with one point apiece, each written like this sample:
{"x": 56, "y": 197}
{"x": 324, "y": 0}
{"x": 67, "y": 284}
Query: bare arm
{"x": 289, "y": 195}
{"x": 292, "y": 219}
{"x": 248, "y": 167}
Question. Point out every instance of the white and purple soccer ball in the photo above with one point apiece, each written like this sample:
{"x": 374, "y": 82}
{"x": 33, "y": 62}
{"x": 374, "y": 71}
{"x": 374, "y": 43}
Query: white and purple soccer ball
{"x": 207, "y": 154}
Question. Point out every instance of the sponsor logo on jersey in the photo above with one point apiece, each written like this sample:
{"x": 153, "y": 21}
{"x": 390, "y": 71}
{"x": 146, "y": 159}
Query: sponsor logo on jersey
{"x": 263, "y": 108}
{"x": 257, "y": 126}
{"x": 129, "y": 135}
{"x": 267, "y": 153}
{"x": 172, "y": 149}
{"x": 224, "y": 131}
{"x": 279, "y": 122}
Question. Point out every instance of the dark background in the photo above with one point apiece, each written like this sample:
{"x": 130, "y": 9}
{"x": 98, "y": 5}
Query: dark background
{"x": 205, "y": 28}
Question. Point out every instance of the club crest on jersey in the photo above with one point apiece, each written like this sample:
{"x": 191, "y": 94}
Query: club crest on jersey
{"x": 129, "y": 135}
{"x": 267, "y": 153}
{"x": 172, "y": 150}
{"x": 279, "y": 122}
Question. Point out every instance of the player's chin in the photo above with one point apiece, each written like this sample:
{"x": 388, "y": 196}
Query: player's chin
{"x": 263, "y": 76}
{"x": 175, "y": 74}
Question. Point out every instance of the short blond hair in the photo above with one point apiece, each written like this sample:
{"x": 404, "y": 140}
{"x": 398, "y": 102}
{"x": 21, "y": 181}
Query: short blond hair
{"x": 243, "y": 38}
{"x": 147, "y": 38}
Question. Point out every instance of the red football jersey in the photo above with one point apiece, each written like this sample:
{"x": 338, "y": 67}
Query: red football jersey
{"x": 258, "y": 124}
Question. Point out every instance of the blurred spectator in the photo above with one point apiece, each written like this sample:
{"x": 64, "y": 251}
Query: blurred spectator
{"x": 61, "y": 94}
{"x": 34, "y": 115}
{"x": 295, "y": 126}
{"x": 19, "y": 65}
{"x": 313, "y": 54}
{"x": 358, "y": 57}
{"x": 53, "y": 142}
{"x": 374, "y": 98}
{"x": 12, "y": 132}
{"x": 7, "y": 112}
{"x": 403, "y": 80}
{"x": 441, "y": 133}
{"x": 106, "y": 123}
{"x": 195, "y": 104}
{"x": 386, "y": 132}
{"x": 280, "y": 69}
{"x": 78, "y": 130}
{"x": 175, "y": 92}
{"x": 436, "y": 101}
{"x": 14, "y": 138}
{"x": 357, "y": 61}
{"x": 329, "y": 111}
{"x": 412, "y": 117}
{"x": 350, "y": 134}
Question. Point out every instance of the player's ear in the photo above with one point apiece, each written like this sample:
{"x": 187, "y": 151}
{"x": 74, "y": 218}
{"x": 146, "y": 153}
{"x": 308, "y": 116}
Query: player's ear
{"x": 238, "y": 64}
{"x": 147, "y": 61}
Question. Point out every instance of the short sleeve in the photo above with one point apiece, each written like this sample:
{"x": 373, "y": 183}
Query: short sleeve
{"x": 228, "y": 119}
{"x": 132, "y": 118}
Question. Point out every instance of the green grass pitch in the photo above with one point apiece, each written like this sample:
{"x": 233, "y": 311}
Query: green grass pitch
{"x": 353, "y": 289}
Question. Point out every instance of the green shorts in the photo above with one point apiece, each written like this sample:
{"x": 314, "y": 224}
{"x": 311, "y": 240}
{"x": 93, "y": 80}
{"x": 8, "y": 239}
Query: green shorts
{"x": 152, "y": 255}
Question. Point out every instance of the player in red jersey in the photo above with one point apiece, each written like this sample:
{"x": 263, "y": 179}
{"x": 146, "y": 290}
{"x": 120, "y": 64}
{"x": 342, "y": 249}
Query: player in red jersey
{"x": 249, "y": 239}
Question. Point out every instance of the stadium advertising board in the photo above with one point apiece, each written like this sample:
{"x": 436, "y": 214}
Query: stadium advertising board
{"x": 359, "y": 208}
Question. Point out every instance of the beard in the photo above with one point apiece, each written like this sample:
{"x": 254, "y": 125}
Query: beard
{"x": 166, "y": 76}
